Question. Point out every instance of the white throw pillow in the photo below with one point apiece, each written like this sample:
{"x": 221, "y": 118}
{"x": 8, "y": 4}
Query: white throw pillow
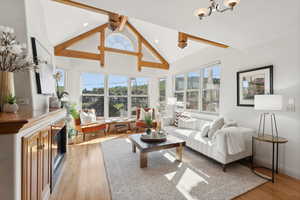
{"x": 87, "y": 117}
{"x": 216, "y": 125}
{"x": 205, "y": 130}
{"x": 187, "y": 123}
{"x": 230, "y": 124}
{"x": 144, "y": 113}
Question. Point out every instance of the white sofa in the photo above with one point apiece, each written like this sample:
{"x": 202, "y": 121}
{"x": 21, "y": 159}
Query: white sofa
{"x": 210, "y": 147}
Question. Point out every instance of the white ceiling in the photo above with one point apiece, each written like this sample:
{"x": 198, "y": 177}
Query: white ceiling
{"x": 64, "y": 22}
{"x": 251, "y": 23}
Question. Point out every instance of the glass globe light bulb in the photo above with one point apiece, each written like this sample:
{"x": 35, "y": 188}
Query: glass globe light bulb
{"x": 231, "y": 3}
{"x": 201, "y": 12}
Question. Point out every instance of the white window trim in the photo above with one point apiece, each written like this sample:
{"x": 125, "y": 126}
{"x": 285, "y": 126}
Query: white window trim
{"x": 200, "y": 90}
{"x": 107, "y": 96}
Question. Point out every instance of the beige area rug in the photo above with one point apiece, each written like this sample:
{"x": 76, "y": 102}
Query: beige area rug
{"x": 196, "y": 178}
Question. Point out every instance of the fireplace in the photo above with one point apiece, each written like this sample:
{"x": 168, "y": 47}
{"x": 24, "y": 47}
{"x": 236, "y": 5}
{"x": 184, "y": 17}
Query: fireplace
{"x": 58, "y": 150}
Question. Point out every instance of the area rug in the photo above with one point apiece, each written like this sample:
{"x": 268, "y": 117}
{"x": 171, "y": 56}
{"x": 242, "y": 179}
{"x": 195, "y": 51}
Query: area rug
{"x": 196, "y": 178}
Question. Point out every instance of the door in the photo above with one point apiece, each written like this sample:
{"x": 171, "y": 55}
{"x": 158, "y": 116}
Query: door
{"x": 31, "y": 172}
{"x": 45, "y": 149}
{"x": 36, "y": 165}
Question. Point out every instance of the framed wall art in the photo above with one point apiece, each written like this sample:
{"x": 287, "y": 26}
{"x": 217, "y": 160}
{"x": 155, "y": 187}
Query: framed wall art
{"x": 253, "y": 82}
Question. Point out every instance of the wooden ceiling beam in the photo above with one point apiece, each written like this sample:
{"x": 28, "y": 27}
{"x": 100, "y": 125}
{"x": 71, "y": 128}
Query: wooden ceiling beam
{"x": 147, "y": 44}
{"x": 132, "y": 53}
{"x": 79, "y": 54}
{"x": 84, "y": 6}
{"x": 76, "y": 39}
{"x": 122, "y": 23}
{"x": 184, "y": 37}
{"x": 154, "y": 65}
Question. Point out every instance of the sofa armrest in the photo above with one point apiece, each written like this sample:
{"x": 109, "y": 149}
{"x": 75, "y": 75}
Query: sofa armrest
{"x": 239, "y": 134}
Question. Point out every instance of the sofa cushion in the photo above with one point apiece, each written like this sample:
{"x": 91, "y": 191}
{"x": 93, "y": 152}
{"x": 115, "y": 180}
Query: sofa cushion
{"x": 215, "y": 125}
{"x": 183, "y": 134}
{"x": 187, "y": 123}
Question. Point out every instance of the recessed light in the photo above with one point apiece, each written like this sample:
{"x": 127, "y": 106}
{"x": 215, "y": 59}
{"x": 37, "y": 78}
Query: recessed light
{"x": 85, "y": 24}
{"x": 156, "y": 41}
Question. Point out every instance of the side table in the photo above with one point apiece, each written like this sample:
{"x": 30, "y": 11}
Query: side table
{"x": 275, "y": 141}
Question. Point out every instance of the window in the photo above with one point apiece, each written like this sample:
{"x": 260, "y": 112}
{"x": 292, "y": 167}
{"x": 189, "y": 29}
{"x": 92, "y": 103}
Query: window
{"x": 61, "y": 82}
{"x": 211, "y": 89}
{"x": 179, "y": 87}
{"x": 192, "y": 92}
{"x": 139, "y": 94}
{"x": 162, "y": 89}
{"x": 118, "y": 96}
{"x": 119, "y": 41}
{"x": 199, "y": 90}
{"x": 92, "y": 89}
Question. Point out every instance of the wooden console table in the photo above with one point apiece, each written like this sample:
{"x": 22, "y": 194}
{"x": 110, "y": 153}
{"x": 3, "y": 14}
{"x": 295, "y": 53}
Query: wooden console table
{"x": 275, "y": 141}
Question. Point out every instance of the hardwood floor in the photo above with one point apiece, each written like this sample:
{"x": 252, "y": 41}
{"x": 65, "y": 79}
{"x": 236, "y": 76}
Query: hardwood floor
{"x": 84, "y": 178}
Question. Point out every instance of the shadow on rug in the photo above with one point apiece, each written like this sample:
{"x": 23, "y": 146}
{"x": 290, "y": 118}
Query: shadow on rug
{"x": 196, "y": 178}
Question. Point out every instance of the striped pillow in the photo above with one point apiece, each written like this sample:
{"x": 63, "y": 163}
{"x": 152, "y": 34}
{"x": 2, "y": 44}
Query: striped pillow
{"x": 178, "y": 116}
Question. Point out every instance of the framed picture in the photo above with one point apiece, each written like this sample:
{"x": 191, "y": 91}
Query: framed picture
{"x": 253, "y": 82}
{"x": 44, "y": 73}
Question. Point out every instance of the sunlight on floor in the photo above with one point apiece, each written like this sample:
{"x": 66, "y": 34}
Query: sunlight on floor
{"x": 169, "y": 157}
{"x": 170, "y": 176}
{"x": 188, "y": 181}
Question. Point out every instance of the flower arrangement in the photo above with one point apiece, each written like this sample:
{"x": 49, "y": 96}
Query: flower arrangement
{"x": 13, "y": 55}
{"x": 59, "y": 90}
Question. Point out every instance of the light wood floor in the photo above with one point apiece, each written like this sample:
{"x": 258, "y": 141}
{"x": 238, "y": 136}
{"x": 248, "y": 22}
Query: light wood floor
{"x": 84, "y": 178}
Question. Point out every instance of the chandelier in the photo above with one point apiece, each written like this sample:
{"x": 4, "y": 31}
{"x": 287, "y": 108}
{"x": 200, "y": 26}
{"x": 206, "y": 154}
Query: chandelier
{"x": 215, "y": 7}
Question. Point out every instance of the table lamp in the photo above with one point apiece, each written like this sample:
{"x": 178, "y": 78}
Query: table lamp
{"x": 268, "y": 104}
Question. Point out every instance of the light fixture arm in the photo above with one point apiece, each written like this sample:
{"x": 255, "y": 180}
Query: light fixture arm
{"x": 215, "y": 7}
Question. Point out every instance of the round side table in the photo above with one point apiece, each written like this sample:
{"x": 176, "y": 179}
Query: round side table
{"x": 275, "y": 141}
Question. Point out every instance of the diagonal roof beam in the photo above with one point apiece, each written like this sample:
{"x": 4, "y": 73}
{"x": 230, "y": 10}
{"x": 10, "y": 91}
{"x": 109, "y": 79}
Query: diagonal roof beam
{"x": 76, "y": 39}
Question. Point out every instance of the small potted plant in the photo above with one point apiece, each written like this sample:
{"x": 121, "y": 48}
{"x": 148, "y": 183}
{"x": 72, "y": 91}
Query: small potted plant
{"x": 148, "y": 122}
{"x": 75, "y": 114}
{"x": 11, "y": 104}
{"x": 120, "y": 108}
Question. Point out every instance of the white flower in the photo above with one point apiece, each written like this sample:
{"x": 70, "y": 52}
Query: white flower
{"x": 7, "y": 29}
{"x": 16, "y": 49}
{"x": 2, "y": 48}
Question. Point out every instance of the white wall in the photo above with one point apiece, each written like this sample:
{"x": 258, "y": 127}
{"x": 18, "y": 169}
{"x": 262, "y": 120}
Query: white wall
{"x": 36, "y": 27}
{"x": 283, "y": 53}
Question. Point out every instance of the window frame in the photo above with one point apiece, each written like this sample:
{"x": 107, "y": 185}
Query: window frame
{"x": 136, "y": 95}
{"x": 200, "y": 90}
{"x": 93, "y": 95}
{"x": 107, "y": 96}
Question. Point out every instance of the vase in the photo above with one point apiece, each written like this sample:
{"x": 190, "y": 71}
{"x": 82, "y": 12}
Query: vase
{"x": 10, "y": 108}
{"x": 148, "y": 131}
{"x": 6, "y": 86}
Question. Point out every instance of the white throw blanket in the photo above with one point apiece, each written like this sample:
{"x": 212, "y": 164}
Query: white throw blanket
{"x": 230, "y": 140}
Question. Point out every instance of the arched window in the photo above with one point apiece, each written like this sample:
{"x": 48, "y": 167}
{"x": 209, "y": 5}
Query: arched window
{"x": 119, "y": 41}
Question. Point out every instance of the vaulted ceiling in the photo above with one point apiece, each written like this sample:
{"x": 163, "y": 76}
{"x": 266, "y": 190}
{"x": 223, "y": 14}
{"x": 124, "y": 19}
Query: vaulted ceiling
{"x": 251, "y": 23}
{"x": 64, "y": 22}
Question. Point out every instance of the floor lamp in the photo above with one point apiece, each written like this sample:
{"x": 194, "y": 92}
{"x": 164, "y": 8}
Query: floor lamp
{"x": 268, "y": 104}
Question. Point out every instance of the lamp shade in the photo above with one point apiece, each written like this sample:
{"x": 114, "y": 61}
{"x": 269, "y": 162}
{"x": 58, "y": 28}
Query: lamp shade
{"x": 268, "y": 102}
{"x": 171, "y": 101}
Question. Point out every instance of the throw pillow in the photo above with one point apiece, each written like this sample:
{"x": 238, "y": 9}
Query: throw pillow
{"x": 205, "y": 130}
{"x": 216, "y": 125}
{"x": 230, "y": 124}
{"x": 142, "y": 114}
{"x": 87, "y": 117}
{"x": 180, "y": 116}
